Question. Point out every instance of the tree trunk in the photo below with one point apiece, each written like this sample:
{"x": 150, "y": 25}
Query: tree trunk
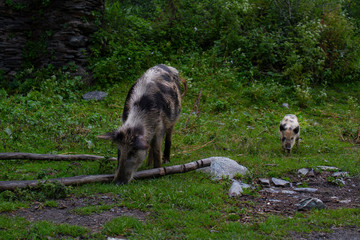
{"x": 78, "y": 180}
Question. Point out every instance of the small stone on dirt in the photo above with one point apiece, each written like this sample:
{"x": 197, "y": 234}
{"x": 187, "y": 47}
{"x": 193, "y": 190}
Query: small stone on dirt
{"x": 307, "y": 190}
{"x": 310, "y": 203}
{"x": 235, "y": 189}
{"x": 280, "y": 183}
{"x": 303, "y": 171}
{"x": 265, "y": 182}
{"x": 340, "y": 174}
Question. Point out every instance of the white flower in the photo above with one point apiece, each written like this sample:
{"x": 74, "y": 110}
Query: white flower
{"x": 195, "y": 28}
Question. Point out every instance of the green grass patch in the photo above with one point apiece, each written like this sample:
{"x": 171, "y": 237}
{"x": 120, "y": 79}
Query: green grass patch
{"x": 88, "y": 210}
{"x": 234, "y": 118}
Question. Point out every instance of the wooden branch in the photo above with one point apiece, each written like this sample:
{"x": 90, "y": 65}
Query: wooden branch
{"x": 34, "y": 156}
{"x": 78, "y": 180}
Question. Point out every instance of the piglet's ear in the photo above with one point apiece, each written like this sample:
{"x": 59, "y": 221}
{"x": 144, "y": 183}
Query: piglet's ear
{"x": 140, "y": 143}
{"x": 282, "y": 127}
{"x": 297, "y": 129}
{"x": 107, "y": 136}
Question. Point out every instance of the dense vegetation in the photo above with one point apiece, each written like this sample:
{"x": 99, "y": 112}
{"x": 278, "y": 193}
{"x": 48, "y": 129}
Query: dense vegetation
{"x": 298, "y": 42}
{"x": 243, "y": 60}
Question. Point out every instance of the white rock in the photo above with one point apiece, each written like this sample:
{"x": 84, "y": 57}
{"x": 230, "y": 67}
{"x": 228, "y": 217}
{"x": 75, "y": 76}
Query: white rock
{"x": 308, "y": 190}
{"x": 340, "y": 174}
{"x": 235, "y": 189}
{"x": 225, "y": 167}
{"x": 270, "y": 190}
{"x": 345, "y": 201}
{"x": 285, "y": 105}
{"x": 303, "y": 171}
{"x": 310, "y": 203}
{"x": 289, "y": 192}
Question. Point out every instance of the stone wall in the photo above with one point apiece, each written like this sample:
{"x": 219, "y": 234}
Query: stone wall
{"x": 42, "y": 32}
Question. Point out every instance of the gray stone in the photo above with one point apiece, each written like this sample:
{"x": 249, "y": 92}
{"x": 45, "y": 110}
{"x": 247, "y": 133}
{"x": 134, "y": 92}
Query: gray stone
{"x": 345, "y": 201}
{"x": 98, "y": 95}
{"x": 327, "y": 168}
{"x": 225, "y": 167}
{"x": 307, "y": 190}
{"x": 285, "y": 105}
{"x": 303, "y": 171}
{"x": 310, "y": 203}
{"x": 289, "y": 192}
{"x": 280, "y": 183}
{"x": 265, "y": 182}
{"x": 340, "y": 174}
{"x": 342, "y": 182}
{"x": 235, "y": 189}
{"x": 311, "y": 173}
{"x": 270, "y": 190}
{"x": 245, "y": 185}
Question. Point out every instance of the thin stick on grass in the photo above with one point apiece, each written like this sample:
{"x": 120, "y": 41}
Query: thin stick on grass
{"x": 195, "y": 148}
{"x": 196, "y": 106}
{"x": 79, "y": 180}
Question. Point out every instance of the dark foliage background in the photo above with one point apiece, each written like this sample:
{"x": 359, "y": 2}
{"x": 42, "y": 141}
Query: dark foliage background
{"x": 296, "y": 42}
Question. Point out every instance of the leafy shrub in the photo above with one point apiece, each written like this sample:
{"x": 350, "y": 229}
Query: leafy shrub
{"x": 340, "y": 44}
{"x": 49, "y": 80}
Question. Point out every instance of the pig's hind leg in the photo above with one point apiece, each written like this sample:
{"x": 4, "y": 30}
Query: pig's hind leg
{"x": 168, "y": 140}
{"x": 155, "y": 152}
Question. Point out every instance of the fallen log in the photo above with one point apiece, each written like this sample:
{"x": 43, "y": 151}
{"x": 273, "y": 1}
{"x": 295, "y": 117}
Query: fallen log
{"x": 56, "y": 157}
{"x": 79, "y": 180}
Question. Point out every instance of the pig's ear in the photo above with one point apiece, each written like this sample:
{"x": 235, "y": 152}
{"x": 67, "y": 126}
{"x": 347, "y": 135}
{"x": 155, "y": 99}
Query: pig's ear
{"x": 297, "y": 129}
{"x": 282, "y": 127}
{"x": 140, "y": 143}
{"x": 108, "y": 136}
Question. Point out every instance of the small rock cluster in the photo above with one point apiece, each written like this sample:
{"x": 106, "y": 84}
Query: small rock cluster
{"x": 222, "y": 167}
{"x": 306, "y": 202}
{"x": 307, "y": 198}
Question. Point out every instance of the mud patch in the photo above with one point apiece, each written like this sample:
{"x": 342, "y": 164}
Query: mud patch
{"x": 64, "y": 212}
{"x": 335, "y": 234}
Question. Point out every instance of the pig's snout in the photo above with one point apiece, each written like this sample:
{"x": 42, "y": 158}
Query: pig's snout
{"x": 288, "y": 146}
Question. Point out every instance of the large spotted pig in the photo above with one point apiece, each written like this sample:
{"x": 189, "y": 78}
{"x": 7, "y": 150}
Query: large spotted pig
{"x": 152, "y": 108}
{"x": 289, "y": 131}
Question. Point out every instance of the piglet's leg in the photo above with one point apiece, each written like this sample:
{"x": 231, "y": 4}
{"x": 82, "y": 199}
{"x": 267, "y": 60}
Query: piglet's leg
{"x": 156, "y": 147}
{"x": 151, "y": 156}
{"x": 168, "y": 140}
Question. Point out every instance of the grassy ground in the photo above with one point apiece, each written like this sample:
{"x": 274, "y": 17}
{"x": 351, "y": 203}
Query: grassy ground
{"x": 233, "y": 119}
